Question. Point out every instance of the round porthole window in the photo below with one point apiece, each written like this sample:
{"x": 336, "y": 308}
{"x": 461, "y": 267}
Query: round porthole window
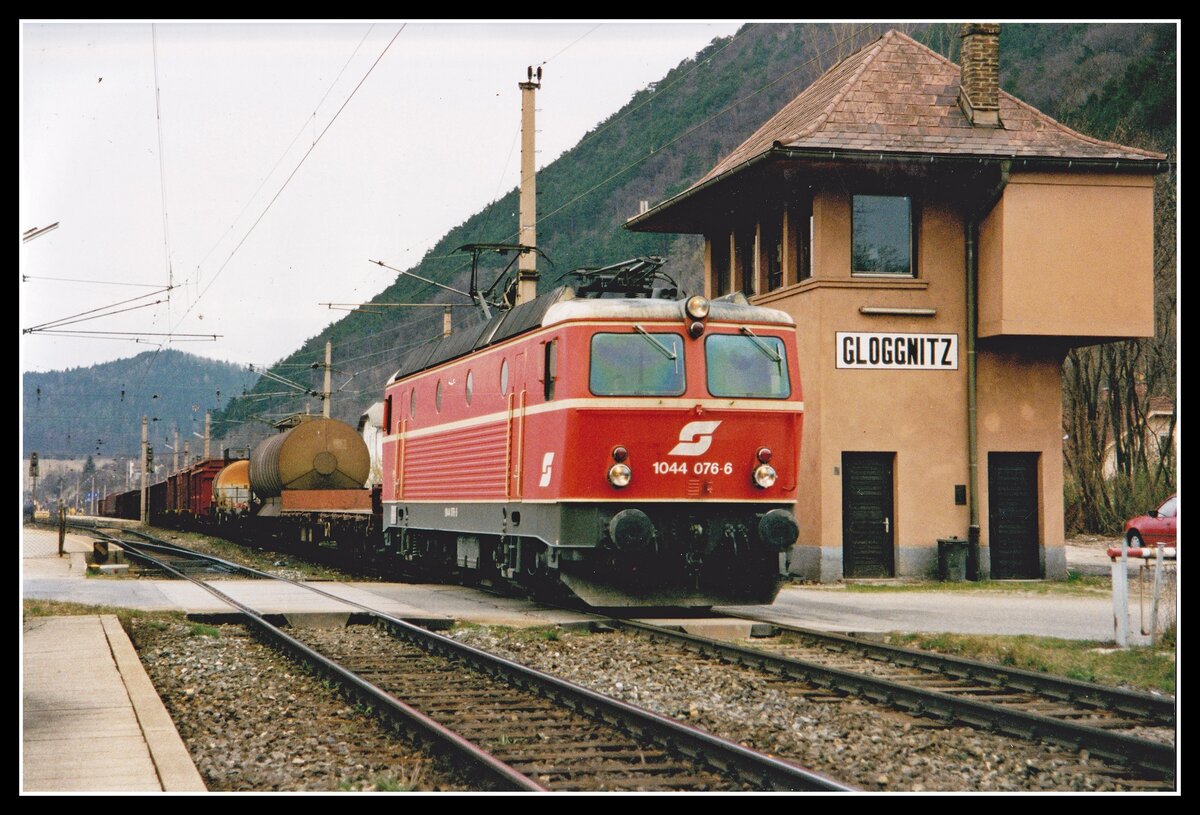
{"x": 470, "y": 385}
{"x": 504, "y": 378}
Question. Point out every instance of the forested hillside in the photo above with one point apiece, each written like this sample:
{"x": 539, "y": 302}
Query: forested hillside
{"x": 93, "y": 411}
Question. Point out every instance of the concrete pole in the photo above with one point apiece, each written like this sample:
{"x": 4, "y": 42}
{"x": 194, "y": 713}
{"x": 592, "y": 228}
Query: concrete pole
{"x": 1158, "y": 587}
{"x": 145, "y": 514}
{"x": 208, "y": 431}
{"x": 328, "y": 366}
{"x": 527, "y": 275}
{"x": 187, "y": 453}
{"x": 447, "y": 324}
{"x": 175, "y": 453}
{"x": 1120, "y": 590}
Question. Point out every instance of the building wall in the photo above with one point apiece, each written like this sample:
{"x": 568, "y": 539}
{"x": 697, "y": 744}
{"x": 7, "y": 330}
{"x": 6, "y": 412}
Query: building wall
{"x": 1020, "y": 411}
{"x": 917, "y": 415}
{"x": 1064, "y": 255}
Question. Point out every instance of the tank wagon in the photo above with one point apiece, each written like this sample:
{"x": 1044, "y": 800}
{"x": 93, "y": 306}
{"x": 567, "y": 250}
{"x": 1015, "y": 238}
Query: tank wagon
{"x": 631, "y": 450}
{"x": 303, "y": 486}
{"x": 309, "y": 481}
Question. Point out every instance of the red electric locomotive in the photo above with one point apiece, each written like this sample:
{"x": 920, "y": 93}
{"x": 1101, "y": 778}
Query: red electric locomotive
{"x": 607, "y": 439}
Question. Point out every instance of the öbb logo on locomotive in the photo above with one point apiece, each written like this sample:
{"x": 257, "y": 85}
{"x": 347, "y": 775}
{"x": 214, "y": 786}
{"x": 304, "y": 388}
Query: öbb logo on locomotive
{"x": 534, "y": 448}
{"x": 695, "y": 439}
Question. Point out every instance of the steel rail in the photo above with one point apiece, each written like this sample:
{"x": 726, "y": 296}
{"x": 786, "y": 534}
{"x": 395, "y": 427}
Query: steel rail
{"x": 721, "y": 754}
{"x": 396, "y": 711}
{"x": 1142, "y": 754}
{"x": 1154, "y": 709}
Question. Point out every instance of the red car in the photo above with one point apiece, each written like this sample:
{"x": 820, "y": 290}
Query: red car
{"x": 1156, "y": 526}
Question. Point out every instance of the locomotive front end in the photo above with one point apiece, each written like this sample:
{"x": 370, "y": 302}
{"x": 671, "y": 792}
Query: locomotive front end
{"x": 626, "y": 450}
{"x": 678, "y": 473}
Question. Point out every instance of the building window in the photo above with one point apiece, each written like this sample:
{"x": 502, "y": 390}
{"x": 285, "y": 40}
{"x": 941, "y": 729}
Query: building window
{"x": 801, "y": 223}
{"x": 772, "y": 252}
{"x": 720, "y": 264}
{"x": 745, "y": 247}
{"x": 882, "y": 235}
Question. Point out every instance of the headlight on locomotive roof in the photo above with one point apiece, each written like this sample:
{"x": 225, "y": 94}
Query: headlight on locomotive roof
{"x": 697, "y": 307}
{"x": 619, "y": 475}
{"x": 764, "y": 476}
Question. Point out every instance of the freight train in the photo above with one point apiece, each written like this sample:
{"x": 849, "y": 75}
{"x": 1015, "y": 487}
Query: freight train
{"x": 607, "y": 441}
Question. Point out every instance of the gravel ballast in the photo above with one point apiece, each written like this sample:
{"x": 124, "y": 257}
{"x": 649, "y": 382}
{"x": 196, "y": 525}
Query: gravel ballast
{"x": 860, "y": 744}
{"x": 254, "y": 721}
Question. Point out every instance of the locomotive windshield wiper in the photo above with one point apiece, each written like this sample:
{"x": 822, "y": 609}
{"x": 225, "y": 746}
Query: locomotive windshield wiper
{"x": 766, "y": 349}
{"x": 668, "y": 352}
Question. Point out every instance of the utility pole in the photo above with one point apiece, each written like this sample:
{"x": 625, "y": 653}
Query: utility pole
{"x": 145, "y": 514}
{"x": 527, "y": 274}
{"x": 175, "y": 453}
{"x": 207, "y": 431}
{"x": 447, "y": 325}
{"x": 326, "y": 394}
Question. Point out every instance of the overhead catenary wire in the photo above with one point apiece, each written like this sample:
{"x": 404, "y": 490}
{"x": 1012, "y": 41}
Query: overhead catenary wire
{"x": 162, "y": 173}
{"x": 26, "y": 277}
{"x": 626, "y": 168}
{"x": 75, "y": 318}
{"x": 300, "y": 132}
{"x": 291, "y": 175}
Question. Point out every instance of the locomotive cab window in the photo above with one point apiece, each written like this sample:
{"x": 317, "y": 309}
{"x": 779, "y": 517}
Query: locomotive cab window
{"x": 550, "y": 371}
{"x": 746, "y": 366}
{"x": 637, "y": 364}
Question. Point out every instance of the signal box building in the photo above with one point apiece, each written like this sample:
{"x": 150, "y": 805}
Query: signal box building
{"x": 941, "y": 246}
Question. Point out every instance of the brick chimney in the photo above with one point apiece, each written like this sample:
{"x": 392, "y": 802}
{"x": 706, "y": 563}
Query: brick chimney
{"x": 979, "y": 90}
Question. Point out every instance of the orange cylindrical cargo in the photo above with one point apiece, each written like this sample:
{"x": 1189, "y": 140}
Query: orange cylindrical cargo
{"x": 317, "y": 454}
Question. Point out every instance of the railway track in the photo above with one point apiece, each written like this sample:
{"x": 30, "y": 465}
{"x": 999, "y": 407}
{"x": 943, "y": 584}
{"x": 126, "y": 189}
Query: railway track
{"x": 1131, "y": 732}
{"x": 1107, "y": 722}
{"x": 515, "y": 728}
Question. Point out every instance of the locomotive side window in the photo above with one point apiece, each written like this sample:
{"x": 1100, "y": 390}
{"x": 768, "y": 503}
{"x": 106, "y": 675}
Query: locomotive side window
{"x": 412, "y": 405}
{"x": 638, "y": 364}
{"x": 437, "y": 397}
{"x": 504, "y": 378}
{"x": 551, "y": 370}
{"x": 387, "y": 414}
{"x": 746, "y": 366}
{"x": 470, "y": 385}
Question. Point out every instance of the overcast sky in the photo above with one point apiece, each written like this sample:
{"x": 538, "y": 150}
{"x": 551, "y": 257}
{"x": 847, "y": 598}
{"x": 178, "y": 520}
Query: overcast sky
{"x": 429, "y": 138}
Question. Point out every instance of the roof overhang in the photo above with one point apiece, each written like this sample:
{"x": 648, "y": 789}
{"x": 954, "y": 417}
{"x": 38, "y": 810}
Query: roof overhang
{"x": 694, "y": 209}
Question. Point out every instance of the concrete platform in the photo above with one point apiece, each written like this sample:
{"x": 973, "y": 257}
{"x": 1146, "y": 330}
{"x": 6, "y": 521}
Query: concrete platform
{"x": 91, "y": 719}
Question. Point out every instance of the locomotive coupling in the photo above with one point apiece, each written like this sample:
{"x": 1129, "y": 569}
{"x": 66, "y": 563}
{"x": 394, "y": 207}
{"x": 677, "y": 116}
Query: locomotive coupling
{"x": 631, "y": 531}
{"x": 778, "y": 529}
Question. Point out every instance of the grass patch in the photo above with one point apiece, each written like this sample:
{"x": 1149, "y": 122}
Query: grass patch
{"x": 203, "y": 630}
{"x": 403, "y": 781}
{"x": 1148, "y": 668}
{"x": 1075, "y": 584}
{"x": 62, "y": 608}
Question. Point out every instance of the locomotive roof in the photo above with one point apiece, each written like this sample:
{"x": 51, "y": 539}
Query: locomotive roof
{"x": 560, "y": 306}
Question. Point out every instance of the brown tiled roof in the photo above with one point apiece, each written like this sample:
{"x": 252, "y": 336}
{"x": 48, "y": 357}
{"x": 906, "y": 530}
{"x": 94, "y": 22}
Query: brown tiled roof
{"x": 896, "y": 95}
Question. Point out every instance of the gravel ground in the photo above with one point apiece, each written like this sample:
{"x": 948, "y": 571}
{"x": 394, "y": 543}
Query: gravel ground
{"x": 864, "y": 745}
{"x": 279, "y": 564}
{"x": 254, "y": 721}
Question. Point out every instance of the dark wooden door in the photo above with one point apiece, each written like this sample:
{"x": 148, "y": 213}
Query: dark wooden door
{"x": 867, "y": 522}
{"x": 1013, "y": 515}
